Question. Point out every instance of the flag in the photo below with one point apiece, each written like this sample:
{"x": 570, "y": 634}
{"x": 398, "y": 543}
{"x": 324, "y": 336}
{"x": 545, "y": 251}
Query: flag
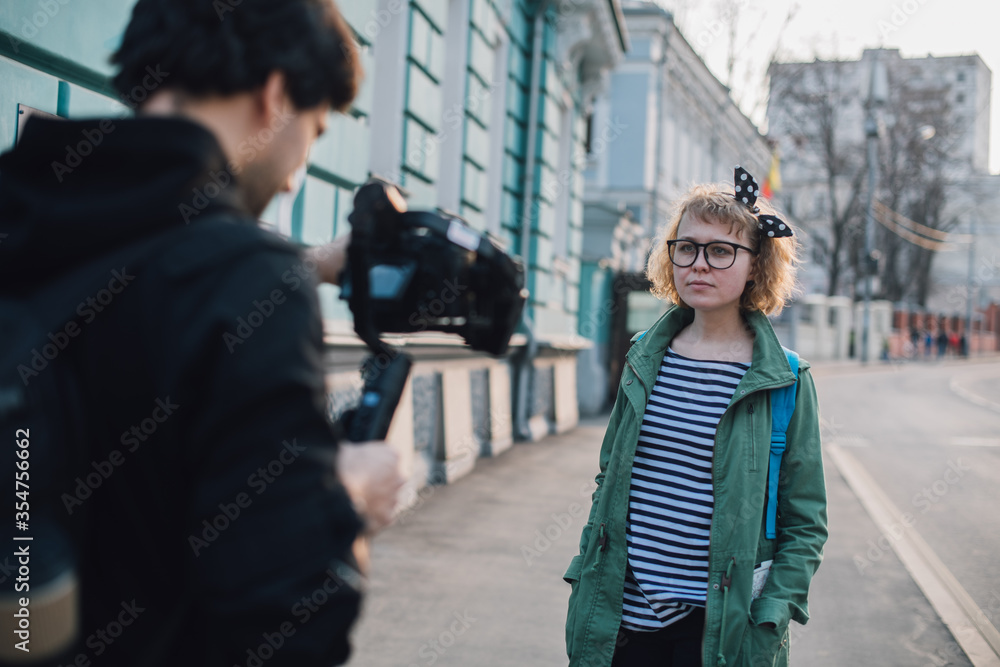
{"x": 772, "y": 183}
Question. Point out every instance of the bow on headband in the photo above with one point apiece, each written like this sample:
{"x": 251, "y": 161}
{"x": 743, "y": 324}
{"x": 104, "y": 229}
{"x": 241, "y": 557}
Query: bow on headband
{"x": 747, "y": 192}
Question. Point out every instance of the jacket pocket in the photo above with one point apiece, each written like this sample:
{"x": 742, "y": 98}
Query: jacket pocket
{"x": 572, "y": 574}
{"x": 764, "y": 646}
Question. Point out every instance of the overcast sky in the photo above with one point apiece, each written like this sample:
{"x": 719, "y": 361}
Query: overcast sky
{"x": 841, "y": 30}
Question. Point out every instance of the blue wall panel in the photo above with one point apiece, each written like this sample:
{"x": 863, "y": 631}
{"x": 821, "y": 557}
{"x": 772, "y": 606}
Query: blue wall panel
{"x": 626, "y": 156}
{"x": 78, "y": 31}
{"x": 22, "y": 85}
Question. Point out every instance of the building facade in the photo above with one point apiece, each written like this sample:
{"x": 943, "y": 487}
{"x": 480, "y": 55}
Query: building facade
{"x": 474, "y": 107}
{"x": 664, "y": 124}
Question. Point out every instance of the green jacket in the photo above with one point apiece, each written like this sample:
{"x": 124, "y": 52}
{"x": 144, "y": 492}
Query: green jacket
{"x": 733, "y": 636}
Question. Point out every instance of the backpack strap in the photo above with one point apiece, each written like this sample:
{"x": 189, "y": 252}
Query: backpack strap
{"x": 782, "y": 407}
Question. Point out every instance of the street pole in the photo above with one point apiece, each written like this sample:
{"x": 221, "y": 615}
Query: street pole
{"x": 871, "y": 132}
{"x": 876, "y": 94}
{"x": 969, "y": 288}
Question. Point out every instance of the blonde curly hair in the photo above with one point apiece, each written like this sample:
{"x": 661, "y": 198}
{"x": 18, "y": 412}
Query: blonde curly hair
{"x": 773, "y": 274}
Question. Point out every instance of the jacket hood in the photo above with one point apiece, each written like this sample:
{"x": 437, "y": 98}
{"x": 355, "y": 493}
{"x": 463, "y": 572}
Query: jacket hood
{"x": 769, "y": 367}
{"x": 70, "y": 190}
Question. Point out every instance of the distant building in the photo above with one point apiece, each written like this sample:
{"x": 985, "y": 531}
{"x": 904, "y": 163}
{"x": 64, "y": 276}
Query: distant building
{"x": 947, "y": 111}
{"x": 663, "y": 124}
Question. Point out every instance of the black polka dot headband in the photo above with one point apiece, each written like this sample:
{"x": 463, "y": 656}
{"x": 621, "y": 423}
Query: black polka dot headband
{"x": 770, "y": 226}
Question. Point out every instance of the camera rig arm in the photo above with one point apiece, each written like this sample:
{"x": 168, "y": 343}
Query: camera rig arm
{"x": 385, "y": 369}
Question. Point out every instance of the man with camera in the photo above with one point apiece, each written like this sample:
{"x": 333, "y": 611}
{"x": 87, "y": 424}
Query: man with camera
{"x": 222, "y": 514}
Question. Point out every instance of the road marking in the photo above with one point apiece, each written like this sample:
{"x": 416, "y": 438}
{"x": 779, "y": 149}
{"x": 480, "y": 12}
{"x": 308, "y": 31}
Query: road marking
{"x": 964, "y": 619}
{"x": 973, "y": 397}
{"x": 850, "y": 441}
{"x": 834, "y": 435}
{"x": 974, "y": 442}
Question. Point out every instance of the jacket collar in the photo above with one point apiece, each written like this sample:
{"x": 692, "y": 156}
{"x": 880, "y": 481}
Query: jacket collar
{"x": 769, "y": 368}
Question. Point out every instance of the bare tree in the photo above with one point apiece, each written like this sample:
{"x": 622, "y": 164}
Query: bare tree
{"x": 820, "y": 108}
{"x": 913, "y": 169}
{"x": 743, "y": 40}
{"x": 808, "y": 103}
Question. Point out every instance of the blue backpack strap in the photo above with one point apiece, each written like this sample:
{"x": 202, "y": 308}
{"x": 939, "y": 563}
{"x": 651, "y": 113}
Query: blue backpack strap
{"x": 782, "y": 407}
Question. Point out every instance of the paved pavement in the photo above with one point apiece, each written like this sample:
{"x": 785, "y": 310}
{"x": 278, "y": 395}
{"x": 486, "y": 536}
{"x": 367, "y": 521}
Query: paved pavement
{"x": 471, "y": 577}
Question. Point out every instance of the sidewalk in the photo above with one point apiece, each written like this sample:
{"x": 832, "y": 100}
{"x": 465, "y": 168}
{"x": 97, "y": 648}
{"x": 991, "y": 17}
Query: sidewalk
{"x": 472, "y": 577}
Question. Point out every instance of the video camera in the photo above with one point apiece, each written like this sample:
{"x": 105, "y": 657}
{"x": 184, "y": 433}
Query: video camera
{"x": 410, "y": 271}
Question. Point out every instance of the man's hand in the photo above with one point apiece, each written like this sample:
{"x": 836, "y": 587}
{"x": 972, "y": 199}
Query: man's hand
{"x": 370, "y": 473}
{"x": 330, "y": 259}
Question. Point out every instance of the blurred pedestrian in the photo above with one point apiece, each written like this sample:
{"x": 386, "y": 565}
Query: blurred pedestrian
{"x": 942, "y": 342}
{"x": 675, "y": 566}
{"x": 226, "y": 517}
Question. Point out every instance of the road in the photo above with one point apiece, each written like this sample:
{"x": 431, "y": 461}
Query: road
{"x": 934, "y": 450}
{"x": 471, "y": 577}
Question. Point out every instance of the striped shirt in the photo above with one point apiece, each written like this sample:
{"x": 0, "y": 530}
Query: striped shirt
{"x": 671, "y": 497}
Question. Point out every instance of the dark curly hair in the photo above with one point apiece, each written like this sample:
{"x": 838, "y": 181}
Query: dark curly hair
{"x": 231, "y": 46}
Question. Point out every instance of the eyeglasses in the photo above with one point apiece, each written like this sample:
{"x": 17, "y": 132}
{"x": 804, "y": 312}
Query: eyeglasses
{"x": 718, "y": 254}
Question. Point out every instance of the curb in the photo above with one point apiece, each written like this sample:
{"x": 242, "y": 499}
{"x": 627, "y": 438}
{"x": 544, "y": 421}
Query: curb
{"x": 972, "y": 397}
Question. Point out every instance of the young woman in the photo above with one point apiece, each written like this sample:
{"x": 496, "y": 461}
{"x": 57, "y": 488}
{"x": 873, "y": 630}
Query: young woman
{"x": 676, "y": 567}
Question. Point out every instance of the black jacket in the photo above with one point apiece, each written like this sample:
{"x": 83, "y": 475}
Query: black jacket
{"x": 208, "y": 512}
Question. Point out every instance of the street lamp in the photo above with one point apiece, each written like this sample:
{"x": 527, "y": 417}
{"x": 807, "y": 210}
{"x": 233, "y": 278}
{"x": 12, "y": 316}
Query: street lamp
{"x": 877, "y": 90}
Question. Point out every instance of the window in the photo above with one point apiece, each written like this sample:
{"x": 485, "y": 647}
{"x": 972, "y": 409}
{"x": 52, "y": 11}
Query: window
{"x": 564, "y": 180}
{"x": 640, "y": 49}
